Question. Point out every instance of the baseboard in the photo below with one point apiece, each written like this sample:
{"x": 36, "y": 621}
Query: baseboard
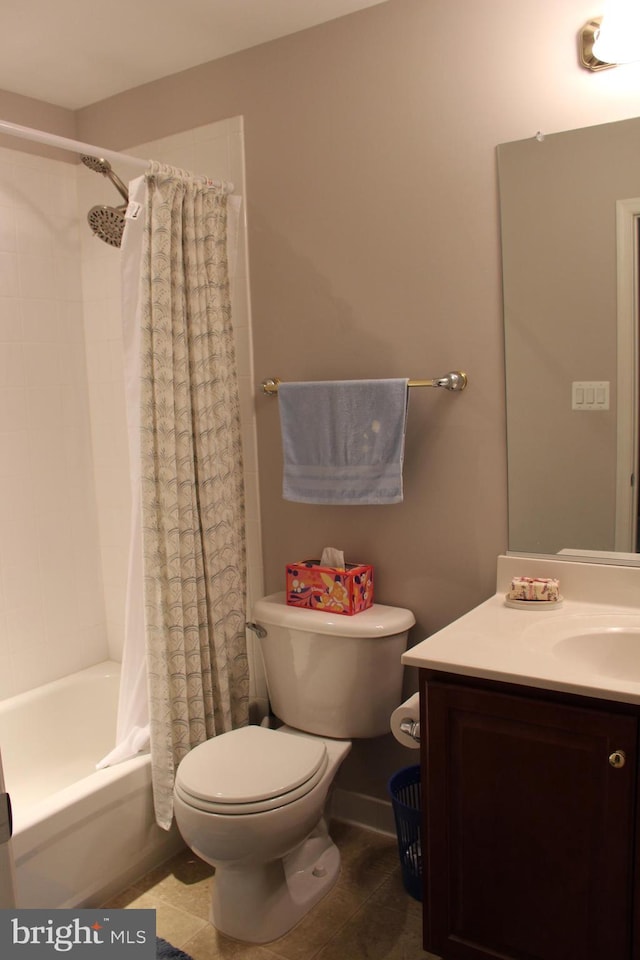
{"x": 364, "y": 811}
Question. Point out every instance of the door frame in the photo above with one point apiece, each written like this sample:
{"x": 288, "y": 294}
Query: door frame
{"x": 626, "y": 515}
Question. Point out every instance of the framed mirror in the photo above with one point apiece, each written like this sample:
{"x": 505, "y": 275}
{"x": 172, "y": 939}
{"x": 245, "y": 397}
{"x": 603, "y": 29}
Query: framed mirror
{"x": 570, "y": 208}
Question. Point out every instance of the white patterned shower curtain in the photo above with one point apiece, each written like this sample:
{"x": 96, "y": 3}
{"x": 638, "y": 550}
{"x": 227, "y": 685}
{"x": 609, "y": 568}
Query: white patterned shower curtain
{"x": 185, "y": 434}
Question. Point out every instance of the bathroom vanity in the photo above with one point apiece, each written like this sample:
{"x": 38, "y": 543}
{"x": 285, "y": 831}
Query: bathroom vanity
{"x": 529, "y": 721}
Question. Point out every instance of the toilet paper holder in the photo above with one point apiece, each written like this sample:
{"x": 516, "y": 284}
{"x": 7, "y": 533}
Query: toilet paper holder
{"x": 411, "y": 728}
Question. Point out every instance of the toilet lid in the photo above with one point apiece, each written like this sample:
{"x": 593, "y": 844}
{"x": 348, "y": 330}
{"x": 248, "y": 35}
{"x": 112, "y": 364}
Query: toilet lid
{"x": 250, "y": 765}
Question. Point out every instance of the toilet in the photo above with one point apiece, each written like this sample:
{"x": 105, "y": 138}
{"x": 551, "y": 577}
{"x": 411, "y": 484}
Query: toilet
{"x": 251, "y": 801}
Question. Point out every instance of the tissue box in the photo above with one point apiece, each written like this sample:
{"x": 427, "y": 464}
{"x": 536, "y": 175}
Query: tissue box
{"x": 330, "y": 589}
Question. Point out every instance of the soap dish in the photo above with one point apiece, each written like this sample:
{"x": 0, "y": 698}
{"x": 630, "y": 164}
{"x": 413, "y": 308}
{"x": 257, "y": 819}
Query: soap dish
{"x": 533, "y": 604}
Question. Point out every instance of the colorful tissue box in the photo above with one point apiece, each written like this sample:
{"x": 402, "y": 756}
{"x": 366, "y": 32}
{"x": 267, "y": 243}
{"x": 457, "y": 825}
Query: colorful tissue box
{"x": 330, "y": 589}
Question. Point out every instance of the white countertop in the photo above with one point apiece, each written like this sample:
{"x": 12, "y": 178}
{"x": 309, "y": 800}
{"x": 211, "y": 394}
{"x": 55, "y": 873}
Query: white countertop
{"x": 556, "y": 648}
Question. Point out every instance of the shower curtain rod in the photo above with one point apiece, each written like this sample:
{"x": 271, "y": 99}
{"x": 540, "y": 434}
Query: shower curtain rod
{"x": 75, "y": 146}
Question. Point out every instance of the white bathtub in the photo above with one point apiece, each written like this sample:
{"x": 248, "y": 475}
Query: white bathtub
{"x": 80, "y": 834}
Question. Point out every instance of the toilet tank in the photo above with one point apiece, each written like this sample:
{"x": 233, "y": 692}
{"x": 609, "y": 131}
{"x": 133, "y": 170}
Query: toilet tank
{"x": 332, "y": 675}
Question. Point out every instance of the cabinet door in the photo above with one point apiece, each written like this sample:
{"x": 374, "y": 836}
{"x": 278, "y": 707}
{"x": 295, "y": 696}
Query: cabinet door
{"x": 529, "y": 828}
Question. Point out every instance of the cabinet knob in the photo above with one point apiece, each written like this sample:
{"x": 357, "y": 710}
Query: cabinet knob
{"x": 618, "y": 758}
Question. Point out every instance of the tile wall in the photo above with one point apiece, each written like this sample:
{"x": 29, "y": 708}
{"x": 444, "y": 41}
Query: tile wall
{"x": 52, "y": 611}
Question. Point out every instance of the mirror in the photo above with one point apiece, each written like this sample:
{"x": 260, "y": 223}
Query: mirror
{"x": 570, "y": 207}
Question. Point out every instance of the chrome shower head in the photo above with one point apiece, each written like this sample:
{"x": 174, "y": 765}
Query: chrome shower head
{"x": 107, "y": 223}
{"x": 98, "y": 165}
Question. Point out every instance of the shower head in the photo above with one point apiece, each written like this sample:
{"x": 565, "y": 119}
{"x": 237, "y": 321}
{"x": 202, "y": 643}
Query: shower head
{"x": 98, "y": 165}
{"x": 107, "y": 223}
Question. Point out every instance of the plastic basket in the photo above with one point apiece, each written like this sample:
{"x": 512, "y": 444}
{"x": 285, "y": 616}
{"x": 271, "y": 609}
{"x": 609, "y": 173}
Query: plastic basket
{"x": 406, "y": 799}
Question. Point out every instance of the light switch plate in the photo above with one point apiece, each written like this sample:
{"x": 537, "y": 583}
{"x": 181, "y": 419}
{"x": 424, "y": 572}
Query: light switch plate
{"x": 590, "y": 395}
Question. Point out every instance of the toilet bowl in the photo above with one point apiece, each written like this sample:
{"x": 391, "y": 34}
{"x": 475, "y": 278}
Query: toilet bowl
{"x": 256, "y": 815}
{"x": 251, "y": 802}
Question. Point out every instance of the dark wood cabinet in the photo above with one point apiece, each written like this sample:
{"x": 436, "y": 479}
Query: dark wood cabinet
{"x": 529, "y": 823}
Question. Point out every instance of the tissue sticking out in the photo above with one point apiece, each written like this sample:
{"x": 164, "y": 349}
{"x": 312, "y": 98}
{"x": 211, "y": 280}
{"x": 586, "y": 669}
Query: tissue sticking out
{"x": 332, "y": 557}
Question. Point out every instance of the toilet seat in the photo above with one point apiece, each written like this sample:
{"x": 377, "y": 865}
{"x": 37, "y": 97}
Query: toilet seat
{"x": 250, "y": 770}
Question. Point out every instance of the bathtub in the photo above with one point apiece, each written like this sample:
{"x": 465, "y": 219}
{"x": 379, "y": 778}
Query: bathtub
{"x": 80, "y": 835}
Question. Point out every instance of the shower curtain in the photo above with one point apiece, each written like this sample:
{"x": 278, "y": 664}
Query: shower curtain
{"x": 188, "y": 560}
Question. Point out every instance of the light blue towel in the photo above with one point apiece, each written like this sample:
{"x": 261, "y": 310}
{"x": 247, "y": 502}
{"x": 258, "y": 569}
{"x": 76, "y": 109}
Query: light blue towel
{"x": 343, "y": 441}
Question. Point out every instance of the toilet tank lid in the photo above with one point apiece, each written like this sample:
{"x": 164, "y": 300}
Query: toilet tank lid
{"x": 377, "y": 621}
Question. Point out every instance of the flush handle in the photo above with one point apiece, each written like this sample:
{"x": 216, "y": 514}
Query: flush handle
{"x": 259, "y": 631}
{"x": 618, "y": 759}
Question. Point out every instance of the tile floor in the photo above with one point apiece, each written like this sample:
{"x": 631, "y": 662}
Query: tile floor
{"x": 366, "y": 916}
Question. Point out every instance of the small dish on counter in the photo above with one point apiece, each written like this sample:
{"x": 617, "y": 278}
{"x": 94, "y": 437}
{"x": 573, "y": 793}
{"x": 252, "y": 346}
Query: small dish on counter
{"x": 533, "y": 604}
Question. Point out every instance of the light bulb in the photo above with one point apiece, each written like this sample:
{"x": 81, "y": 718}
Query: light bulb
{"x": 618, "y": 39}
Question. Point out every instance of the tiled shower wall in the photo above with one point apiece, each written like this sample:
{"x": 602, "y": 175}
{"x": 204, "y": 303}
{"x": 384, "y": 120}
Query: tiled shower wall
{"x": 95, "y": 528}
{"x": 52, "y": 618}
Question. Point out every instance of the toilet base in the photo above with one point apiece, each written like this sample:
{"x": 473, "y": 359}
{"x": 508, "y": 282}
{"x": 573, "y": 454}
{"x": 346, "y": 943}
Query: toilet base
{"x": 258, "y": 904}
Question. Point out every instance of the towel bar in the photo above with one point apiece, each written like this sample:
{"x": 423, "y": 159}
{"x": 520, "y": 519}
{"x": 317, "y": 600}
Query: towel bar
{"x": 455, "y": 380}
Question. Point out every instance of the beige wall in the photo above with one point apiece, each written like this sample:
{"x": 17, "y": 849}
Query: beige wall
{"x": 374, "y": 252}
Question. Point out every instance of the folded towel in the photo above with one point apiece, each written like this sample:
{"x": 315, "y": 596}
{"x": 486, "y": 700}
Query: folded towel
{"x": 343, "y": 441}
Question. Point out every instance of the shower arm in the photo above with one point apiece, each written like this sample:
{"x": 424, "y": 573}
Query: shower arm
{"x": 118, "y": 184}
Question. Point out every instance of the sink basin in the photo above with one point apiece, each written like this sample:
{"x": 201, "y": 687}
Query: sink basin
{"x": 602, "y": 644}
{"x": 612, "y": 653}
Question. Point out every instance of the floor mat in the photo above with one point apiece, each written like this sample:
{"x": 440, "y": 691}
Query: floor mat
{"x": 165, "y": 951}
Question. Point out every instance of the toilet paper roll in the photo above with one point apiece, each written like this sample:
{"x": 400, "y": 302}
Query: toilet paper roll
{"x": 410, "y": 711}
